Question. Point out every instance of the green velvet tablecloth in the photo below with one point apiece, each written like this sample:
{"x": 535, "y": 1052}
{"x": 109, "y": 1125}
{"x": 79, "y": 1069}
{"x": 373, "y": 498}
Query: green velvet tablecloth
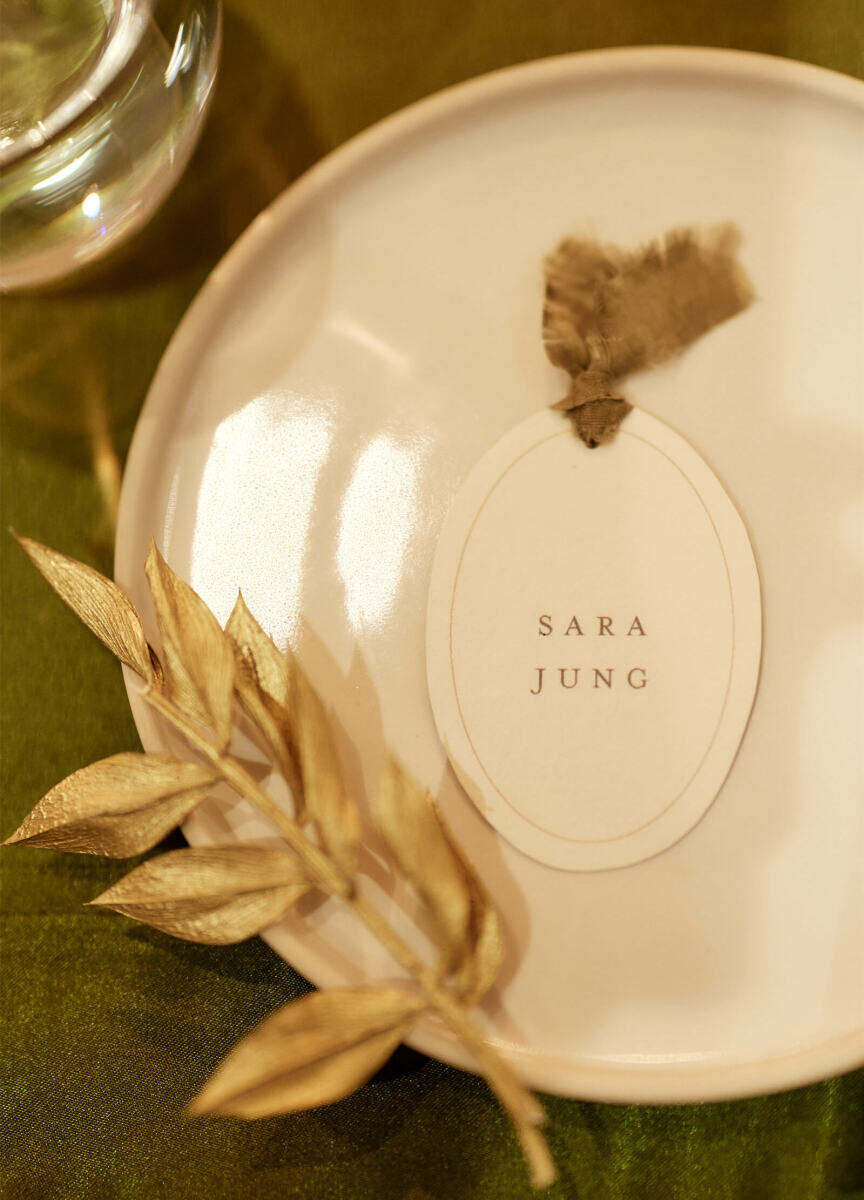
{"x": 108, "y": 1028}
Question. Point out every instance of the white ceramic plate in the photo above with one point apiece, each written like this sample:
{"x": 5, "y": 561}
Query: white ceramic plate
{"x": 359, "y": 349}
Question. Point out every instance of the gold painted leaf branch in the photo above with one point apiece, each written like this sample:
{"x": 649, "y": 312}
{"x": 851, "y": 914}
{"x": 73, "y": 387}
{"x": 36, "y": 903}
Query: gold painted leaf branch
{"x": 103, "y": 607}
{"x": 312, "y": 1052}
{"x": 524, "y": 1110}
{"x": 119, "y": 807}
{"x": 213, "y": 894}
{"x": 324, "y": 1047}
{"x": 198, "y": 658}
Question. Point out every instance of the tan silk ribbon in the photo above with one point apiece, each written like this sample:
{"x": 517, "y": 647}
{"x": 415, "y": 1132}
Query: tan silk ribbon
{"x": 610, "y": 312}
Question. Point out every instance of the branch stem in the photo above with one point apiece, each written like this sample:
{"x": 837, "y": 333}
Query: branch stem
{"x": 317, "y": 862}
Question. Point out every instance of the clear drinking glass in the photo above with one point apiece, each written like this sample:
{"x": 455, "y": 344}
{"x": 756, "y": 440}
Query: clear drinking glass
{"x": 101, "y": 102}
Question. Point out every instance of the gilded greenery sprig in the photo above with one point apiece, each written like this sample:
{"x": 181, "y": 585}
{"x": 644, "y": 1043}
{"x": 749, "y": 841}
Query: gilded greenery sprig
{"x": 322, "y": 1047}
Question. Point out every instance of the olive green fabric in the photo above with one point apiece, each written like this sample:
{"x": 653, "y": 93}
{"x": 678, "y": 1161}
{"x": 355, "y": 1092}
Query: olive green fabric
{"x": 108, "y": 1028}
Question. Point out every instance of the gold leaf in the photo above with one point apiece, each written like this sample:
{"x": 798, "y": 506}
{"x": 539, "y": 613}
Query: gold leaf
{"x": 485, "y": 943}
{"x": 263, "y": 684}
{"x": 485, "y": 953}
{"x": 326, "y": 798}
{"x": 120, "y": 806}
{"x": 259, "y": 652}
{"x": 98, "y": 602}
{"x": 409, "y": 823}
{"x": 312, "y": 1052}
{"x": 278, "y": 696}
{"x": 199, "y": 660}
{"x": 213, "y": 894}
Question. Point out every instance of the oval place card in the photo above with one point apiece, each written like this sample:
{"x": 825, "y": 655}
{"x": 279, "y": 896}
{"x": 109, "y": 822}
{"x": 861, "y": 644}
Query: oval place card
{"x": 593, "y": 640}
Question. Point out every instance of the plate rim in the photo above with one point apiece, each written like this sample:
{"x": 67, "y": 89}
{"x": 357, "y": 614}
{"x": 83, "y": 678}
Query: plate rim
{"x": 664, "y": 1082}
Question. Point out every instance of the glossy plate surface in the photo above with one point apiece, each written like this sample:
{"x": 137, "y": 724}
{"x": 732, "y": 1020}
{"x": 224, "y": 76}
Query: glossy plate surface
{"x": 359, "y": 349}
